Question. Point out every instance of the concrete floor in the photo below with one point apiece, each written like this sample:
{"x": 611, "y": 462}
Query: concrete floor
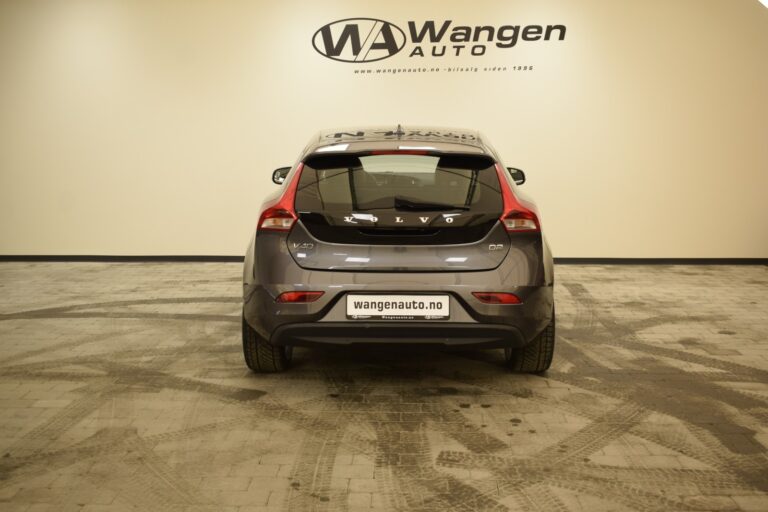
{"x": 122, "y": 387}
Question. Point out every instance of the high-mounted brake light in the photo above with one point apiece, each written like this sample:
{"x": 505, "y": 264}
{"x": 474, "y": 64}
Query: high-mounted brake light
{"x": 298, "y": 297}
{"x": 516, "y": 217}
{"x": 280, "y": 215}
{"x": 399, "y": 152}
{"x": 497, "y": 297}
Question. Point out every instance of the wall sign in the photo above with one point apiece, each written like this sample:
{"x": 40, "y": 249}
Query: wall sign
{"x": 361, "y": 40}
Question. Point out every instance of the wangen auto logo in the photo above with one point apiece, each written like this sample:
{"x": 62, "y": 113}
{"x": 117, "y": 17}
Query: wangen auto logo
{"x": 359, "y": 40}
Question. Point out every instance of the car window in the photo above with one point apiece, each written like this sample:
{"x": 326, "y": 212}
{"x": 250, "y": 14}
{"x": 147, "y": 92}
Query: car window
{"x": 401, "y": 181}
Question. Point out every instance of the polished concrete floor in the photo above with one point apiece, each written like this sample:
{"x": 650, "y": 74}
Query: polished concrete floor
{"x": 122, "y": 387}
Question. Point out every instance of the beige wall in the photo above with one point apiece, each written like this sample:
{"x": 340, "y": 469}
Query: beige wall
{"x": 152, "y": 126}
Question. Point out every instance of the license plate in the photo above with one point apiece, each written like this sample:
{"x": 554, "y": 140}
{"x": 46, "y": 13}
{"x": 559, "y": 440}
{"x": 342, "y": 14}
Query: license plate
{"x": 398, "y": 307}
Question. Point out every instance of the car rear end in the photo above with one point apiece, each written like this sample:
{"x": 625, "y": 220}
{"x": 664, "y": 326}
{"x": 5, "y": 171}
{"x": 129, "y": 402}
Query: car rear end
{"x": 381, "y": 244}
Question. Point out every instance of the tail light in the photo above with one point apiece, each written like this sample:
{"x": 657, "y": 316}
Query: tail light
{"x": 280, "y": 215}
{"x": 298, "y": 297}
{"x": 497, "y": 298}
{"x": 517, "y": 217}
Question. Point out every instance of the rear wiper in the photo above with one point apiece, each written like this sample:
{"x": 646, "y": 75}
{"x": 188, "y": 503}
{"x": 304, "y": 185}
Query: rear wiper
{"x": 402, "y": 203}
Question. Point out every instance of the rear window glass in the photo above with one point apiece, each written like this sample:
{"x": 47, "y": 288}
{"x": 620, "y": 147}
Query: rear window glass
{"x": 398, "y": 182}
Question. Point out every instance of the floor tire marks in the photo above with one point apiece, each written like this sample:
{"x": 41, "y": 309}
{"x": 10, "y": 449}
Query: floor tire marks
{"x": 676, "y": 392}
{"x": 612, "y": 425}
{"x": 629, "y": 495}
{"x": 751, "y": 469}
{"x": 312, "y": 472}
{"x": 152, "y": 475}
{"x": 537, "y": 497}
{"x": 56, "y": 347}
{"x": 624, "y": 336}
{"x": 706, "y": 455}
{"x": 94, "y": 396}
{"x": 404, "y": 449}
{"x": 515, "y": 475}
{"x": 52, "y": 312}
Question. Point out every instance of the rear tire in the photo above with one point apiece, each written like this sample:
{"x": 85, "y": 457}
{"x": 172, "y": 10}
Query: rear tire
{"x": 260, "y": 355}
{"x": 535, "y": 357}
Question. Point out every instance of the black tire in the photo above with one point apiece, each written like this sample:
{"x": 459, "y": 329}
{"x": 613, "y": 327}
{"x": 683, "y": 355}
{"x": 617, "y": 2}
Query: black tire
{"x": 535, "y": 357}
{"x": 260, "y": 355}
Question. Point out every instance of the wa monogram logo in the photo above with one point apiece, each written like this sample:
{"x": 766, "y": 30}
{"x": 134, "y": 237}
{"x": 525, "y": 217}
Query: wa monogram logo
{"x": 359, "y": 40}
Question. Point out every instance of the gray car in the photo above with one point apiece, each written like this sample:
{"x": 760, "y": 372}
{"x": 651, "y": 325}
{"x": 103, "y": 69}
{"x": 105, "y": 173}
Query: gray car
{"x": 399, "y": 236}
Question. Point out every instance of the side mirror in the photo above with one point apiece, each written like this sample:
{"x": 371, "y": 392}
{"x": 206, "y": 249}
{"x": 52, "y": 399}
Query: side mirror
{"x": 279, "y": 175}
{"x": 517, "y": 174}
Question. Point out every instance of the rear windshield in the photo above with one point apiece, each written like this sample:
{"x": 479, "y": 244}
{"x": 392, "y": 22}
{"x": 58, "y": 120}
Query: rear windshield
{"x": 398, "y": 182}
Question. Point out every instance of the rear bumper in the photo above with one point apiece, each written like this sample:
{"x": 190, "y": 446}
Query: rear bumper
{"x": 473, "y": 335}
{"x": 270, "y": 270}
{"x": 471, "y": 323}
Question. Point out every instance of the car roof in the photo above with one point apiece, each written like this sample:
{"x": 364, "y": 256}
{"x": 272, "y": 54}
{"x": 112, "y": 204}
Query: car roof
{"x": 398, "y": 137}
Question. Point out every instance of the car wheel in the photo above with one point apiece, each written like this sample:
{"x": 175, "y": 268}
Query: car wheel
{"x": 536, "y": 356}
{"x": 260, "y": 355}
